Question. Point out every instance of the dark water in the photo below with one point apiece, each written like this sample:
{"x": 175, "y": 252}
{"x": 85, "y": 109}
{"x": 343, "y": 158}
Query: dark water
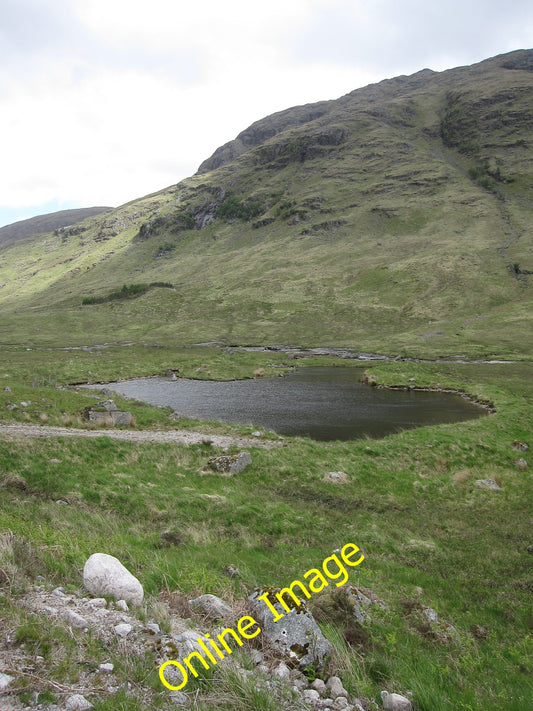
{"x": 322, "y": 403}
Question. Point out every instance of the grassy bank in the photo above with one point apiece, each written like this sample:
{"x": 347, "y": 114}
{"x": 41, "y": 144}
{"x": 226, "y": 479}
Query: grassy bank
{"x": 430, "y": 536}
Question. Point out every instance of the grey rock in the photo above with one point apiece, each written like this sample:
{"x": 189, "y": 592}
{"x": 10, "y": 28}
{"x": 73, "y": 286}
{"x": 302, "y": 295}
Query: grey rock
{"x": 311, "y": 696}
{"x": 488, "y": 484}
{"x": 108, "y": 405}
{"x": 5, "y": 681}
{"x": 105, "y": 575}
{"x": 122, "y": 605}
{"x": 179, "y": 698}
{"x": 123, "y": 629}
{"x": 296, "y": 635}
{"x": 395, "y": 702}
{"x": 211, "y": 606}
{"x": 107, "y": 668}
{"x": 521, "y": 464}
{"x": 97, "y": 602}
{"x": 77, "y": 702}
{"x": 75, "y": 620}
{"x": 282, "y": 671}
{"x": 340, "y": 703}
{"x": 337, "y": 477}
{"x": 230, "y": 463}
{"x": 320, "y": 686}
{"x": 153, "y": 627}
{"x": 335, "y": 687}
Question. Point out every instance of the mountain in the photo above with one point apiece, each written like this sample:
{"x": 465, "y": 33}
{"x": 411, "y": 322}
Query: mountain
{"x": 47, "y": 223}
{"x": 395, "y": 219}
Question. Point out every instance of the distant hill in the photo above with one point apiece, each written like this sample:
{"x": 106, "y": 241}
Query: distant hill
{"x": 47, "y": 223}
{"x": 394, "y": 219}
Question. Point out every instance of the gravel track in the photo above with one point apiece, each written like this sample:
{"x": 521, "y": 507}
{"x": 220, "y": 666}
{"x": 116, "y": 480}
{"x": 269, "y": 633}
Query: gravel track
{"x": 20, "y": 430}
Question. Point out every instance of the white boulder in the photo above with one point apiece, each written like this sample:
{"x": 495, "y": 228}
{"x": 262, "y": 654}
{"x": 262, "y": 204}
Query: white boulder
{"x": 395, "y": 702}
{"x": 105, "y": 575}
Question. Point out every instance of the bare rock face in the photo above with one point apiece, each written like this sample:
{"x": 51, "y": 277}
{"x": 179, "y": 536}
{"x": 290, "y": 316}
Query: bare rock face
{"x": 105, "y": 575}
{"x": 296, "y": 636}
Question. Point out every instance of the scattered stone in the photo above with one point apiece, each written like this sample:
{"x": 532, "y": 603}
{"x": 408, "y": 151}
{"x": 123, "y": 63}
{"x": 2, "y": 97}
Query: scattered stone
{"x": 487, "y": 484}
{"x": 105, "y": 575}
{"x": 7, "y": 389}
{"x": 59, "y": 592}
{"x": 282, "y": 671}
{"x": 337, "y": 477}
{"x": 529, "y": 549}
{"x": 320, "y": 686}
{"x": 296, "y": 636}
{"x": 230, "y": 464}
{"x": 521, "y": 464}
{"x": 77, "y": 702}
{"x": 517, "y": 444}
{"x": 123, "y": 629}
{"x": 97, "y": 602}
{"x": 77, "y": 621}
{"x": 122, "y": 605}
{"x": 178, "y": 697}
{"x": 340, "y": 703}
{"x": 311, "y": 696}
{"x": 108, "y": 405}
{"x": 257, "y": 656}
{"x": 5, "y": 681}
{"x": 232, "y": 571}
{"x": 54, "y": 461}
{"x": 335, "y": 687}
{"x": 395, "y": 702}
{"x": 257, "y": 434}
{"x": 211, "y": 606}
{"x": 153, "y": 628}
{"x": 107, "y": 668}
{"x": 108, "y": 418}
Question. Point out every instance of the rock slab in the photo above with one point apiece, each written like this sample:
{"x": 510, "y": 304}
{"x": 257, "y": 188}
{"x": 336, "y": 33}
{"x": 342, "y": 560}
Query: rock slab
{"x": 105, "y": 575}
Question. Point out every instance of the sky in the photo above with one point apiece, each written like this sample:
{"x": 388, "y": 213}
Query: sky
{"x": 104, "y": 101}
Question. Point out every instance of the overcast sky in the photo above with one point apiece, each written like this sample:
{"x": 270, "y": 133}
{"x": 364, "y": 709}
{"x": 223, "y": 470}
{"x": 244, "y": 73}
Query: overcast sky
{"x": 104, "y": 101}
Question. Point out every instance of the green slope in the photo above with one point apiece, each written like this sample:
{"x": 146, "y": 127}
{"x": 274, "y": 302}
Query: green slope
{"x": 396, "y": 218}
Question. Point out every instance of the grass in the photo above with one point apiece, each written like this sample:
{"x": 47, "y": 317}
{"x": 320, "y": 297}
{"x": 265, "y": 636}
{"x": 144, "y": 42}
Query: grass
{"x": 428, "y": 534}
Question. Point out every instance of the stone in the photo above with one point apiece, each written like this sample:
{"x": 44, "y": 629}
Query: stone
{"x": 153, "y": 628}
{"x": 97, "y": 602}
{"x": 517, "y": 444}
{"x": 122, "y": 605}
{"x": 335, "y": 687}
{"x": 395, "y": 702}
{"x": 211, "y": 606}
{"x": 340, "y": 703}
{"x": 296, "y": 635}
{"x": 521, "y": 464}
{"x": 232, "y": 571}
{"x": 106, "y": 668}
{"x": 104, "y": 574}
{"x": 230, "y": 463}
{"x": 75, "y": 620}
{"x": 5, "y": 681}
{"x": 320, "y": 686}
{"x": 179, "y": 698}
{"x": 123, "y": 629}
{"x": 77, "y": 702}
{"x": 282, "y": 671}
{"x": 337, "y": 477}
{"x": 311, "y": 696}
{"x": 487, "y": 484}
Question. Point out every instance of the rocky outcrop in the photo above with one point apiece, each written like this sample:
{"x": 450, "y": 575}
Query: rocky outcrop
{"x": 296, "y": 636}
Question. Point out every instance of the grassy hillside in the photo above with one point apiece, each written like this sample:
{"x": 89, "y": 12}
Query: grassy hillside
{"x": 395, "y": 218}
{"x": 47, "y": 223}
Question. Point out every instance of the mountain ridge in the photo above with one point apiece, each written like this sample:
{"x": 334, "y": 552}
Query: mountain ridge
{"x": 395, "y": 218}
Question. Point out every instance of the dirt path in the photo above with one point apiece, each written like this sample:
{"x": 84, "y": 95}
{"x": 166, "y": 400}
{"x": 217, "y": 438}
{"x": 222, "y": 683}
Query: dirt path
{"x": 20, "y": 430}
